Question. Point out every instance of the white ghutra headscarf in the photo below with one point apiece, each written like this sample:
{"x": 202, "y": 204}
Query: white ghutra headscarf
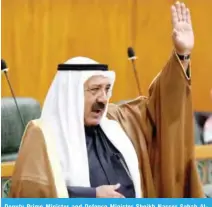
{"x": 63, "y": 110}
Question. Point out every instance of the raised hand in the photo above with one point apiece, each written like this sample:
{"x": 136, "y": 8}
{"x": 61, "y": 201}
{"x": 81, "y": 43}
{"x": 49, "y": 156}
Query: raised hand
{"x": 183, "y": 36}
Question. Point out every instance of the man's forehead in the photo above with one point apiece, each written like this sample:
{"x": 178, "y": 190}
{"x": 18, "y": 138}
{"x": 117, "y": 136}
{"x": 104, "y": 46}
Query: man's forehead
{"x": 98, "y": 80}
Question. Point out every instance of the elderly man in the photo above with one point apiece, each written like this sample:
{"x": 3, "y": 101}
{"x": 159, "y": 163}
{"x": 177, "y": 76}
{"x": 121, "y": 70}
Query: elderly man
{"x": 84, "y": 147}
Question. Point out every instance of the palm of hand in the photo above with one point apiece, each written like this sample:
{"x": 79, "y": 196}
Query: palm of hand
{"x": 183, "y": 37}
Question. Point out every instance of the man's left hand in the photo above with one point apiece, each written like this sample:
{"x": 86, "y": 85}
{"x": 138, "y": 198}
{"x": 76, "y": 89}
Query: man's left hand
{"x": 183, "y": 36}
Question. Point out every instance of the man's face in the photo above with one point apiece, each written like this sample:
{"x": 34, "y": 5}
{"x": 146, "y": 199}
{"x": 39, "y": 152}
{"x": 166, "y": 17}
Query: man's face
{"x": 97, "y": 89}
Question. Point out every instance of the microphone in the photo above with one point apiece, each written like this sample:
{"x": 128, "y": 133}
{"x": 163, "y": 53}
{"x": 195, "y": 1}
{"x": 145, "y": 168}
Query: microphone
{"x": 132, "y": 57}
{"x": 3, "y": 66}
{"x": 4, "y": 70}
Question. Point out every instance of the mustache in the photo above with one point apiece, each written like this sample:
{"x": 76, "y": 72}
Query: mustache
{"x": 98, "y": 106}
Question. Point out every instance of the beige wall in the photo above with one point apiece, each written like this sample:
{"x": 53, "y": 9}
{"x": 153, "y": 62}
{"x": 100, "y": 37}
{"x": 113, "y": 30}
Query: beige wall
{"x": 39, "y": 34}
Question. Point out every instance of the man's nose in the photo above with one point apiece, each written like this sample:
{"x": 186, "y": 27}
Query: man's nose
{"x": 102, "y": 98}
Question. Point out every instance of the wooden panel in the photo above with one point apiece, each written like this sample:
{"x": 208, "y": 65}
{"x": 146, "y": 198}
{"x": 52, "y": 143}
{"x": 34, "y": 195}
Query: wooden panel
{"x": 37, "y": 35}
{"x": 153, "y": 44}
{"x": 203, "y": 152}
{"x": 7, "y": 169}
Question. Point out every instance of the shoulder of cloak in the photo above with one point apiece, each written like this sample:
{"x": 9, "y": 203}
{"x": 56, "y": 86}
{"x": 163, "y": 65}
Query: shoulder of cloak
{"x": 37, "y": 164}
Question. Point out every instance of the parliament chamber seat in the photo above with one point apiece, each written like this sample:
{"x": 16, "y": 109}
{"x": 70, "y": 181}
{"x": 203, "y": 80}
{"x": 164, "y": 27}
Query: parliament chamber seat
{"x": 204, "y": 164}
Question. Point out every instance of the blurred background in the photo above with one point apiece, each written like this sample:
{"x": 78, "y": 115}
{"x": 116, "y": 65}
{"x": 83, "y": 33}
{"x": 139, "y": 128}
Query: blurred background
{"x": 37, "y": 35}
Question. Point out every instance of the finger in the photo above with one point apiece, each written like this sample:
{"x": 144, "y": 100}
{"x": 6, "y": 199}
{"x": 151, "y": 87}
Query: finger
{"x": 183, "y": 12}
{"x": 178, "y": 9}
{"x": 117, "y": 195}
{"x": 175, "y": 33}
{"x": 188, "y": 16}
{"x": 117, "y": 186}
{"x": 174, "y": 15}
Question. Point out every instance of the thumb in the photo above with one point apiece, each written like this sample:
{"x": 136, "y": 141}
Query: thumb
{"x": 175, "y": 33}
{"x": 117, "y": 186}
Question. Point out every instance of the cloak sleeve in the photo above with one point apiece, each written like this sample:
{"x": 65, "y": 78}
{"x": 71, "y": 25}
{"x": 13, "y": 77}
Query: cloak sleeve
{"x": 36, "y": 173}
{"x": 161, "y": 130}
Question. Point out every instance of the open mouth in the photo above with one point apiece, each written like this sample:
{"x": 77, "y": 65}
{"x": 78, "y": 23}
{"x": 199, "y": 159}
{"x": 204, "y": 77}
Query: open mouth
{"x": 98, "y": 111}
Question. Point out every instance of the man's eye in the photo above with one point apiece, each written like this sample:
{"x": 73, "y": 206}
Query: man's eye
{"x": 94, "y": 89}
{"x": 107, "y": 89}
